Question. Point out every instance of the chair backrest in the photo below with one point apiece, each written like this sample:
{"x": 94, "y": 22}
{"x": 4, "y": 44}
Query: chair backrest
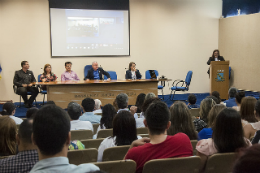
{"x": 95, "y": 127}
{"x": 86, "y": 69}
{"x": 195, "y": 112}
{"x": 81, "y": 134}
{"x": 176, "y": 165}
{"x": 115, "y": 153}
{"x": 142, "y": 130}
{"x": 188, "y": 78}
{"x": 194, "y": 143}
{"x": 82, "y": 156}
{"x": 112, "y": 74}
{"x": 92, "y": 143}
{"x": 126, "y": 166}
{"x": 39, "y": 78}
{"x": 148, "y": 75}
{"x": 104, "y": 133}
{"x": 221, "y": 162}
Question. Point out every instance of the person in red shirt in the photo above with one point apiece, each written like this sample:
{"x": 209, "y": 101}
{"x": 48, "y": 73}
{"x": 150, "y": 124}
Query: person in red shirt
{"x": 159, "y": 145}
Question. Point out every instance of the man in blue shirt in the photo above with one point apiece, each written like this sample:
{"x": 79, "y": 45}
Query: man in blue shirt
{"x": 95, "y": 73}
{"x": 232, "y": 98}
{"x": 88, "y": 105}
{"x": 192, "y": 102}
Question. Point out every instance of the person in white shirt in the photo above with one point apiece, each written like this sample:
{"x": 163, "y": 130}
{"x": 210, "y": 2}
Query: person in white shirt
{"x": 97, "y": 107}
{"x": 74, "y": 111}
{"x": 124, "y": 133}
{"x": 9, "y": 109}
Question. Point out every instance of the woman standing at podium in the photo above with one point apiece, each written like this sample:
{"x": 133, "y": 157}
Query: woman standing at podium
{"x": 215, "y": 57}
{"x": 132, "y": 72}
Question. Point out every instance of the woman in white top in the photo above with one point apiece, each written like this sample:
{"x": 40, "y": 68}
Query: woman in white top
{"x": 247, "y": 109}
{"x": 124, "y": 133}
{"x": 9, "y": 109}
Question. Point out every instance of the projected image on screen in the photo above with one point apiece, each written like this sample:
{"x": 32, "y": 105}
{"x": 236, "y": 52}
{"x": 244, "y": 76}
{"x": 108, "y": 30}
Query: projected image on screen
{"x": 89, "y": 32}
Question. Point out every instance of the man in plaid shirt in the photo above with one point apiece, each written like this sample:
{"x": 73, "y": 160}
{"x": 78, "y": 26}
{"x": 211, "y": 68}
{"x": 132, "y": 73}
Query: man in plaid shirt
{"x": 27, "y": 156}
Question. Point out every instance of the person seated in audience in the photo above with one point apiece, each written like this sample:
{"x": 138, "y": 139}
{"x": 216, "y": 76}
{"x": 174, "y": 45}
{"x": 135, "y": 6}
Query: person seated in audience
{"x": 232, "y": 100}
{"x": 217, "y": 95}
{"x": 181, "y": 121}
{"x": 47, "y": 75}
{"x": 132, "y": 72}
{"x": 214, "y": 98}
{"x": 213, "y": 113}
{"x": 31, "y": 112}
{"x": 239, "y": 96}
{"x": 139, "y": 102}
{"x": 23, "y": 80}
{"x": 192, "y": 101}
{"x": 205, "y": 106}
{"x": 149, "y": 95}
{"x": 247, "y": 110}
{"x": 122, "y": 102}
{"x": 27, "y": 156}
{"x": 97, "y": 108}
{"x": 74, "y": 111}
{"x": 256, "y": 139}
{"x": 9, "y": 110}
{"x": 50, "y": 103}
{"x": 251, "y": 128}
{"x": 95, "y": 73}
{"x": 159, "y": 145}
{"x": 227, "y": 136}
{"x": 88, "y": 107}
{"x": 51, "y": 135}
{"x": 249, "y": 161}
{"x": 69, "y": 75}
{"x": 124, "y": 133}
{"x": 8, "y": 132}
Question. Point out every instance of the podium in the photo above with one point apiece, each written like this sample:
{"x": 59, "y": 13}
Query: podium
{"x": 219, "y": 78}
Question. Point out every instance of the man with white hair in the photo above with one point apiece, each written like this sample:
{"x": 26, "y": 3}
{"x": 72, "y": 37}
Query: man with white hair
{"x": 97, "y": 108}
{"x": 95, "y": 73}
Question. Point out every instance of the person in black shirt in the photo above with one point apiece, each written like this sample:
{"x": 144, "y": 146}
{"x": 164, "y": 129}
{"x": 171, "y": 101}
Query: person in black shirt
{"x": 23, "y": 79}
{"x": 215, "y": 57}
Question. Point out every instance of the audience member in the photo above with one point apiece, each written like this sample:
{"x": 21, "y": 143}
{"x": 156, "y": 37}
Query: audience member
{"x": 205, "y": 106}
{"x": 239, "y": 96}
{"x": 124, "y": 133}
{"x": 95, "y": 73}
{"x": 227, "y": 136}
{"x": 74, "y": 111}
{"x": 69, "y": 75}
{"x": 139, "y": 102}
{"x": 50, "y": 103}
{"x": 232, "y": 100}
{"x": 213, "y": 113}
{"x": 247, "y": 109}
{"x": 8, "y": 132}
{"x": 149, "y": 96}
{"x": 88, "y": 107}
{"x": 122, "y": 102}
{"x": 31, "y": 112}
{"x": 97, "y": 108}
{"x": 27, "y": 156}
{"x": 47, "y": 75}
{"x": 214, "y": 98}
{"x": 192, "y": 101}
{"x": 181, "y": 121}
{"x": 9, "y": 109}
{"x": 217, "y": 95}
{"x": 160, "y": 145}
{"x": 51, "y": 135}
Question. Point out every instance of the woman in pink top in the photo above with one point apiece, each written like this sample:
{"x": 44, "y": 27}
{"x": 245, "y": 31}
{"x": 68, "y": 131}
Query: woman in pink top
{"x": 228, "y": 136}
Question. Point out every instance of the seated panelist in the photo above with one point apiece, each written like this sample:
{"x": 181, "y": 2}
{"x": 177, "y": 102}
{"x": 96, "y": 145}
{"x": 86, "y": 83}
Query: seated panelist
{"x": 47, "y": 75}
{"x": 95, "y": 73}
{"x": 132, "y": 72}
{"x": 69, "y": 75}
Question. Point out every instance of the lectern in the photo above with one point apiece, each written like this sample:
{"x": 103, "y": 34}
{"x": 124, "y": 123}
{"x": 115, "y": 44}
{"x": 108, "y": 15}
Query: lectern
{"x": 219, "y": 78}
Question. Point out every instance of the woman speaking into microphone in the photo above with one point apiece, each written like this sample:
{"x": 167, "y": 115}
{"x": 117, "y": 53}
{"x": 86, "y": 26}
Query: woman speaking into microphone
{"x": 132, "y": 72}
{"x": 215, "y": 57}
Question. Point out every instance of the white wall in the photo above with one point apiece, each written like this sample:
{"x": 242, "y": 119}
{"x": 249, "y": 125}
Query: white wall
{"x": 171, "y": 36}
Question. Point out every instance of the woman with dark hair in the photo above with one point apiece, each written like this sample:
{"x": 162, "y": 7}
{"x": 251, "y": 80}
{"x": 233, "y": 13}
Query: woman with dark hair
{"x": 31, "y": 112}
{"x": 181, "y": 121}
{"x": 247, "y": 109}
{"x": 132, "y": 72}
{"x": 239, "y": 96}
{"x": 139, "y": 102}
{"x": 228, "y": 136}
{"x": 108, "y": 114}
{"x": 215, "y": 57}
{"x": 9, "y": 110}
{"x": 124, "y": 133}
{"x": 8, "y": 132}
{"x": 217, "y": 95}
{"x": 47, "y": 75}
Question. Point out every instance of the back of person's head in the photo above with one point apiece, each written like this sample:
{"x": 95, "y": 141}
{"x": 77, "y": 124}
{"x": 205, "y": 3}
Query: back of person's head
{"x": 124, "y": 128}
{"x": 247, "y": 109}
{"x": 217, "y": 95}
{"x": 149, "y": 96}
{"x": 205, "y": 106}
{"x": 97, "y": 104}
{"x": 140, "y": 101}
{"x": 88, "y": 104}
{"x": 157, "y": 117}
{"x": 74, "y": 110}
{"x": 108, "y": 114}
{"x": 239, "y": 96}
{"x": 51, "y": 127}
{"x": 31, "y": 112}
{"x": 214, "y": 98}
{"x": 213, "y": 113}
{"x": 8, "y": 132}
{"x": 257, "y": 108}
{"x": 181, "y": 120}
{"x": 232, "y": 92}
{"x": 228, "y": 134}
{"x": 50, "y": 103}
{"x": 148, "y": 102}
{"x": 192, "y": 99}
{"x": 249, "y": 161}
{"x": 25, "y": 131}
{"x": 122, "y": 100}
{"x": 8, "y": 108}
